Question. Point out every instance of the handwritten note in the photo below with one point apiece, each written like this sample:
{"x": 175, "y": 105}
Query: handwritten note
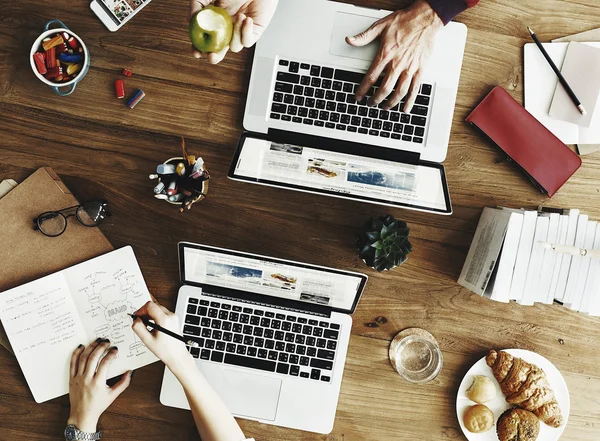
{"x": 46, "y": 319}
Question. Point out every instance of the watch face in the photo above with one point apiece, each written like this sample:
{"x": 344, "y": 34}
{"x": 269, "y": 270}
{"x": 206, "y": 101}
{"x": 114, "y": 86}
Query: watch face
{"x": 70, "y": 433}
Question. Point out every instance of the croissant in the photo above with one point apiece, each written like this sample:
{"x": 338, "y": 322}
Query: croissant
{"x": 525, "y": 385}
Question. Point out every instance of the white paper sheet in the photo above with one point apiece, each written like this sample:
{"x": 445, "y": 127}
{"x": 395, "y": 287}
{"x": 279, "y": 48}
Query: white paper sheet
{"x": 540, "y": 83}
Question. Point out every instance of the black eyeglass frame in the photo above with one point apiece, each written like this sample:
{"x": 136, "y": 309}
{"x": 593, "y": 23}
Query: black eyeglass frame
{"x": 69, "y": 212}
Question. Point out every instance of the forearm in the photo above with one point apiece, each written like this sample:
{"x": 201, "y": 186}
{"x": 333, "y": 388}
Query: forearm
{"x": 213, "y": 419}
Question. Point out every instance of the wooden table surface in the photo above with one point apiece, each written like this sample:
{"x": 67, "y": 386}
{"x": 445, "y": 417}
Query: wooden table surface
{"x": 103, "y": 149}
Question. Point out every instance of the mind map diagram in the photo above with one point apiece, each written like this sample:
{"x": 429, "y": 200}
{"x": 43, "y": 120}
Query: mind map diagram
{"x": 106, "y": 298}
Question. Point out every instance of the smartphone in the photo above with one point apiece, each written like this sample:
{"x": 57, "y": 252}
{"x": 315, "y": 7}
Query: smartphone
{"x": 115, "y": 13}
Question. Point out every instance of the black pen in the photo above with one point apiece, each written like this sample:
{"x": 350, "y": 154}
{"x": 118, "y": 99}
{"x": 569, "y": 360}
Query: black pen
{"x": 153, "y": 325}
{"x": 562, "y": 80}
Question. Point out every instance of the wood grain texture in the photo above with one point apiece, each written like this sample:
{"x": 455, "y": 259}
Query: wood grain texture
{"x": 103, "y": 149}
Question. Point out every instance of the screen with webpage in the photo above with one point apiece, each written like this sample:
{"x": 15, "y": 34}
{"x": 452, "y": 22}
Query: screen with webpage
{"x": 375, "y": 179}
{"x": 269, "y": 278}
{"x": 121, "y": 9}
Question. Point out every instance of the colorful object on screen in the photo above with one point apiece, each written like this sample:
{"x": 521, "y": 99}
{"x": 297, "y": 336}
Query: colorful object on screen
{"x": 127, "y": 72}
{"x": 136, "y": 98}
{"x": 120, "y": 89}
{"x": 56, "y": 60}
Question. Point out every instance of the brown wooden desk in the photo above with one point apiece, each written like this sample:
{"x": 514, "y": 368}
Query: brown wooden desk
{"x": 102, "y": 148}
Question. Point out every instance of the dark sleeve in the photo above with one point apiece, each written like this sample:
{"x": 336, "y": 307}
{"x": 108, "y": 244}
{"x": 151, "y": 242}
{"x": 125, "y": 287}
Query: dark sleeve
{"x": 448, "y": 9}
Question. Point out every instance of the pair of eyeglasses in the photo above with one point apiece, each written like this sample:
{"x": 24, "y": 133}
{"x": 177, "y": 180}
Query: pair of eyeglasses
{"x": 54, "y": 223}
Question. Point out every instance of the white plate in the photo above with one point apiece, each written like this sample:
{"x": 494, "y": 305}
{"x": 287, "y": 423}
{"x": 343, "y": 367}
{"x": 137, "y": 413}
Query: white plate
{"x": 498, "y": 405}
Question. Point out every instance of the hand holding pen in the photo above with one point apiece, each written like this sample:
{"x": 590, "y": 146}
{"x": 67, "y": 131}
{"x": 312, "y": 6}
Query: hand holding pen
{"x": 164, "y": 342}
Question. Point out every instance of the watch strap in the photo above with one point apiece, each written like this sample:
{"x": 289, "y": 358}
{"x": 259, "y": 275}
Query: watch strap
{"x": 80, "y": 435}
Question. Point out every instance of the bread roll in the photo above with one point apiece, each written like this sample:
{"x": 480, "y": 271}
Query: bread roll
{"x": 478, "y": 418}
{"x": 481, "y": 390}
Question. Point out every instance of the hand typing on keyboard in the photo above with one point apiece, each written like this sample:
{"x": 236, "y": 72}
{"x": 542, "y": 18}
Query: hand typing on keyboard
{"x": 406, "y": 41}
{"x": 250, "y": 19}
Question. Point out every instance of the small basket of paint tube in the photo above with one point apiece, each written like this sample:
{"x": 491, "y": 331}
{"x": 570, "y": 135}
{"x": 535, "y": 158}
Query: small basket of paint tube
{"x": 182, "y": 181}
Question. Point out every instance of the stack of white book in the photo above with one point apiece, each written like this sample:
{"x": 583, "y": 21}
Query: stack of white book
{"x": 511, "y": 258}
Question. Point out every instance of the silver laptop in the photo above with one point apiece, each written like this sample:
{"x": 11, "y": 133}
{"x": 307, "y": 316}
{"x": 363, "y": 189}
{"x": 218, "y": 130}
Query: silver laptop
{"x": 305, "y": 130}
{"x": 273, "y": 334}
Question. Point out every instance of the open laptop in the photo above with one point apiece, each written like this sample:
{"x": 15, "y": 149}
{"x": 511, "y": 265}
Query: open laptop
{"x": 305, "y": 130}
{"x": 273, "y": 334}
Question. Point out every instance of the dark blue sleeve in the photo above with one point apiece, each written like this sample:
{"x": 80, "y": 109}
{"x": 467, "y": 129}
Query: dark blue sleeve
{"x": 448, "y": 9}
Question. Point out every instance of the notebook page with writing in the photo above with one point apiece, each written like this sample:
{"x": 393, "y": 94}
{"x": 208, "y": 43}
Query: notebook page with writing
{"x": 105, "y": 290}
{"x": 44, "y": 328}
{"x": 46, "y": 319}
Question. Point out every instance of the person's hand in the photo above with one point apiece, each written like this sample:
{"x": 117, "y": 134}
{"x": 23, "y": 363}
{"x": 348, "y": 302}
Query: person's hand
{"x": 172, "y": 352}
{"x": 88, "y": 391}
{"x": 250, "y": 19}
{"x": 406, "y": 41}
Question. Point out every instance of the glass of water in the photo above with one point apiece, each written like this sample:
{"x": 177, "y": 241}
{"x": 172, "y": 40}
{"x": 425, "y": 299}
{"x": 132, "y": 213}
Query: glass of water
{"x": 417, "y": 359}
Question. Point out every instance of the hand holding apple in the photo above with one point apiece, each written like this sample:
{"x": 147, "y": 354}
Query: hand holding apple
{"x": 250, "y": 18}
{"x": 211, "y": 29}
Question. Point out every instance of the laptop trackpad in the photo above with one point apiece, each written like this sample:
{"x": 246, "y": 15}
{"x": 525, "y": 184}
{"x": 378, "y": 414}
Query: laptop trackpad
{"x": 347, "y": 25}
{"x": 252, "y": 396}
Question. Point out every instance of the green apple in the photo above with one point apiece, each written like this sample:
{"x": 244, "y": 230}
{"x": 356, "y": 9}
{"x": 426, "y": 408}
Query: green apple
{"x": 211, "y": 29}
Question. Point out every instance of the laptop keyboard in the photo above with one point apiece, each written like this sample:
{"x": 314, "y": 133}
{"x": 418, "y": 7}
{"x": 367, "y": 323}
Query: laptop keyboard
{"x": 325, "y": 97}
{"x": 261, "y": 339}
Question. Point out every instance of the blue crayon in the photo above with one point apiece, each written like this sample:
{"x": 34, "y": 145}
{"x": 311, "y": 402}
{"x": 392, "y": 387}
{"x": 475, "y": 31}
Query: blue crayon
{"x": 136, "y": 98}
{"x": 70, "y": 58}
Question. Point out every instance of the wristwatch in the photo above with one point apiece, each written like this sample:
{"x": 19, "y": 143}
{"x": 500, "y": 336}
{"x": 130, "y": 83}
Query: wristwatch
{"x": 72, "y": 433}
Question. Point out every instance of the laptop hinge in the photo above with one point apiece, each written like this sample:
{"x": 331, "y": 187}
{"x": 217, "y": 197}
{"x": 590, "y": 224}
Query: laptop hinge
{"x": 343, "y": 146}
{"x": 262, "y": 300}
{"x": 268, "y": 305}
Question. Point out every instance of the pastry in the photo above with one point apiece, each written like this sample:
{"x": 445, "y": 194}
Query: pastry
{"x": 481, "y": 390}
{"x": 525, "y": 385}
{"x": 478, "y": 418}
{"x": 518, "y": 425}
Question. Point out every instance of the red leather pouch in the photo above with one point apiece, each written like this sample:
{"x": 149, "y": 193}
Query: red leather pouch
{"x": 544, "y": 158}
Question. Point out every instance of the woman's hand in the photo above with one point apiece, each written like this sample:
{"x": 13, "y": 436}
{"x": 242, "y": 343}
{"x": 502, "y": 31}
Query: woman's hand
{"x": 406, "y": 41}
{"x": 88, "y": 392}
{"x": 172, "y": 352}
{"x": 250, "y": 19}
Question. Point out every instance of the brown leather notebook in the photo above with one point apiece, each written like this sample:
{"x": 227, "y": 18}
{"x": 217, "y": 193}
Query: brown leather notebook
{"x": 544, "y": 158}
{"x": 26, "y": 254}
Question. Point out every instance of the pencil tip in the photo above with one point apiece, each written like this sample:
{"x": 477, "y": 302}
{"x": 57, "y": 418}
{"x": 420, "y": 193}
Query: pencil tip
{"x": 582, "y": 110}
{"x": 529, "y": 29}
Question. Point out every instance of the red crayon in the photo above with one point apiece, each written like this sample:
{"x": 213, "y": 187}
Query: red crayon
{"x": 120, "y": 89}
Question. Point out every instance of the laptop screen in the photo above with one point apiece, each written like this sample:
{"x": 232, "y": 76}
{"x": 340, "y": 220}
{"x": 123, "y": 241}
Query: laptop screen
{"x": 418, "y": 186}
{"x": 327, "y": 287}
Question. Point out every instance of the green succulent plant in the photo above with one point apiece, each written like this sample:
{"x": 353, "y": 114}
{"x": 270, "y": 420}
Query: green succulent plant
{"x": 384, "y": 243}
